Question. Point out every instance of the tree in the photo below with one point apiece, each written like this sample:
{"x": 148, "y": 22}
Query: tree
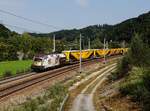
{"x": 96, "y": 44}
{"x": 60, "y": 46}
{"x": 3, "y": 51}
{"x": 139, "y": 52}
{"x": 42, "y": 45}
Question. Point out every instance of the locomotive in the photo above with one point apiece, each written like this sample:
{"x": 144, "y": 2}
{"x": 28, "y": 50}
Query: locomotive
{"x": 43, "y": 62}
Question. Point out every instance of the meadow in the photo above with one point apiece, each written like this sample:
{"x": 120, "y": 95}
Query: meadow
{"x": 14, "y": 67}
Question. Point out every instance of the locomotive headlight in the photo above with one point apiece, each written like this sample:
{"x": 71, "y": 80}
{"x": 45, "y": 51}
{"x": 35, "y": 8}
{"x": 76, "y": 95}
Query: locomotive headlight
{"x": 37, "y": 62}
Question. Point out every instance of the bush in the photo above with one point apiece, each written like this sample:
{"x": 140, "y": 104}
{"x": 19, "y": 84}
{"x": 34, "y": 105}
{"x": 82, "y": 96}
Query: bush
{"x": 114, "y": 76}
{"x": 19, "y": 72}
{"x": 32, "y": 105}
{"x": 7, "y": 74}
{"x": 123, "y": 65}
{"x": 135, "y": 90}
{"x": 146, "y": 79}
{"x": 57, "y": 90}
{"x": 137, "y": 85}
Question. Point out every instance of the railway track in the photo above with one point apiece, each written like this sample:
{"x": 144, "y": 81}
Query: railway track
{"x": 11, "y": 79}
{"x": 12, "y": 85}
{"x": 27, "y": 77}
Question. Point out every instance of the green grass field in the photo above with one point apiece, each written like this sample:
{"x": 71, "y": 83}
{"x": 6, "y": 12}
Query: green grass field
{"x": 14, "y": 66}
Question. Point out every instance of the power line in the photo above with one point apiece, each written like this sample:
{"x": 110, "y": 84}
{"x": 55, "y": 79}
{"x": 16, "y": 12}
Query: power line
{"x": 25, "y": 29}
{"x": 29, "y": 20}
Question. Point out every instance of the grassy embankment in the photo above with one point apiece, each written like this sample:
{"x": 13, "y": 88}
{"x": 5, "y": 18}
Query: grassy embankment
{"x": 135, "y": 68}
{"x": 10, "y": 68}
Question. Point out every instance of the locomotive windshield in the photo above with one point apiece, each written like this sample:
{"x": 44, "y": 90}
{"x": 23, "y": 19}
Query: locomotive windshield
{"x": 37, "y": 59}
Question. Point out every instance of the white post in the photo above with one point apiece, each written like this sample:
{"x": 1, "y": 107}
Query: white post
{"x": 107, "y": 45}
{"x": 80, "y": 53}
{"x": 104, "y": 50}
{"x": 54, "y": 43}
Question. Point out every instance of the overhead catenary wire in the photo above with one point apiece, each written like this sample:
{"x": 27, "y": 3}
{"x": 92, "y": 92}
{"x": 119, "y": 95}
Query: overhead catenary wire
{"x": 29, "y": 20}
{"x": 18, "y": 27}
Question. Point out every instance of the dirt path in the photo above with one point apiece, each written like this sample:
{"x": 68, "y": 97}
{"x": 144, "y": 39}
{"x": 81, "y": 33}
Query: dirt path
{"x": 84, "y": 100}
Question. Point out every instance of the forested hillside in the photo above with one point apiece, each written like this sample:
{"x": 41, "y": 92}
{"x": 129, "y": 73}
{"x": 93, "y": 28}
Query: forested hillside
{"x": 6, "y": 33}
{"x": 118, "y": 32}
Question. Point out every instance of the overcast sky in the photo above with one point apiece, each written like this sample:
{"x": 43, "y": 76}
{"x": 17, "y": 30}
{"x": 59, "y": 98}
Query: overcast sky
{"x": 68, "y": 14}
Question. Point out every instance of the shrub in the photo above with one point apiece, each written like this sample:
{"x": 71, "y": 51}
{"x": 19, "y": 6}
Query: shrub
{"x": 41, "y": 100}
{"x": 137, "y": 85}
{"x": 31, "y": 105}
{"x": 57, "y": 90}
{"x": 7, "y": 74}
{"x": 123, "y": 66}
{"x": 135, "y": 90}
{"x": 113, "y": 76}
{"x": 19, "y": 72}
{"x": 146, "y": 79}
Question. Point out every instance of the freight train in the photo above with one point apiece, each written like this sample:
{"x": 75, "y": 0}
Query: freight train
{"x": 43, "y": 62}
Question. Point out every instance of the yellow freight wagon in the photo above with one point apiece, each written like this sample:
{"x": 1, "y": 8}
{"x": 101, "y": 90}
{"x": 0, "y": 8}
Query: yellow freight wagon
{"x": 74, "y": 55}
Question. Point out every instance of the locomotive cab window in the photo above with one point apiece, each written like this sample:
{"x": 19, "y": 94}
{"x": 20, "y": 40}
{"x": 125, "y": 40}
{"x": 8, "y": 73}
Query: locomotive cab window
{"x": 37, "y": 59}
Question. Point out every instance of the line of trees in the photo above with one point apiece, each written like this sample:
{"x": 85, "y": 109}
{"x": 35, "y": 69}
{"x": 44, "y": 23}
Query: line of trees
{"x": 25, "y": 47}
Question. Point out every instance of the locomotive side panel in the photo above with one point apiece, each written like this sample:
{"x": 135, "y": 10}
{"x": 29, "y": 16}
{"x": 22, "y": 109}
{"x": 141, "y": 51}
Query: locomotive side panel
{"x": 48, "y": 61}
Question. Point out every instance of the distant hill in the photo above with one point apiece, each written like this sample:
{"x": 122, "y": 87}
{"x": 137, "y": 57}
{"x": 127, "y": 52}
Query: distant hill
{"x": 118, "y": 32}
{"x": 5, "y": 32}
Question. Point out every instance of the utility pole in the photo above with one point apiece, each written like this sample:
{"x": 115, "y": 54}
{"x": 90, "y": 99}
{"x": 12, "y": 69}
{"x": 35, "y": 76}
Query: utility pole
{"x": 54, "y": 49}
{"x": 104, "y": 50}
{"x": 107, "y": 45}
{"x": 80, "y": 70}
{"x": 89, "y": 44}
